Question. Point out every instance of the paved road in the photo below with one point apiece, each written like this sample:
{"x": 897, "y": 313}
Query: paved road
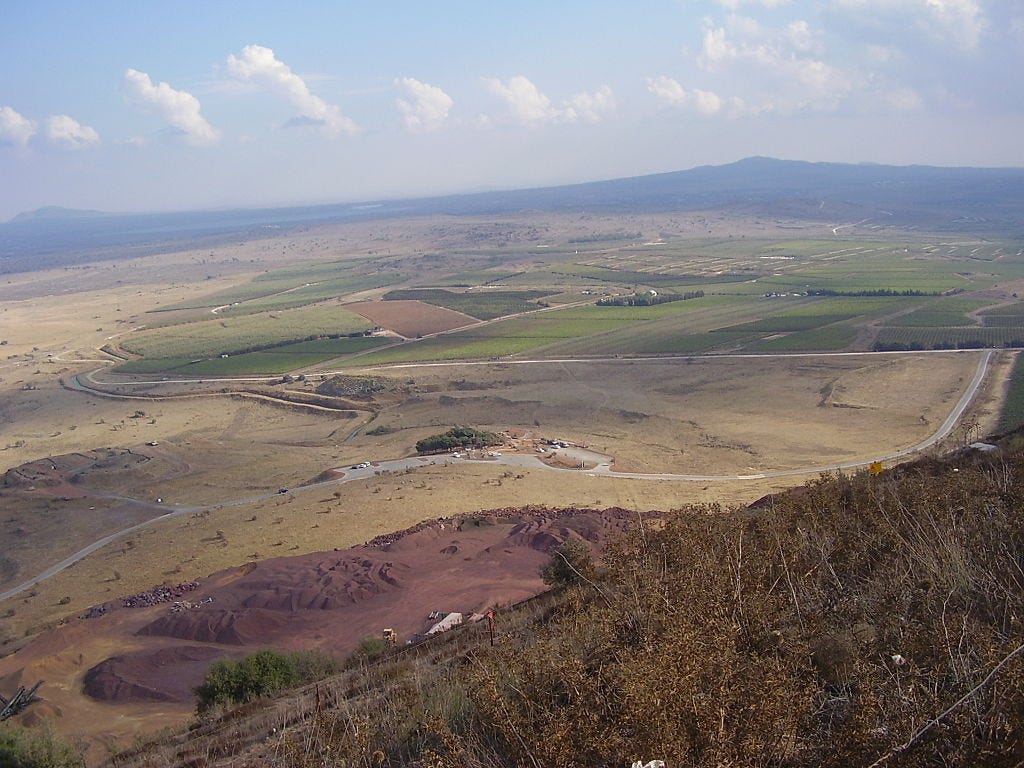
{"x": 88, "y": 381}
{"x": 602, "y": 468}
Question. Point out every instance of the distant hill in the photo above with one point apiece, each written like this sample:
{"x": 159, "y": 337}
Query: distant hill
{"x": 960, "y": 200}
{"x": 55, "y": 212}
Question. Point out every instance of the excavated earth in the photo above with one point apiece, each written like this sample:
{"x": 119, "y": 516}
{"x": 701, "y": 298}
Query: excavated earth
{"x": 153, "y": 649}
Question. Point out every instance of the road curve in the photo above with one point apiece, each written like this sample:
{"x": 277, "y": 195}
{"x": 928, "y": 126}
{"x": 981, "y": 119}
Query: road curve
{"x": 602, "y": 469}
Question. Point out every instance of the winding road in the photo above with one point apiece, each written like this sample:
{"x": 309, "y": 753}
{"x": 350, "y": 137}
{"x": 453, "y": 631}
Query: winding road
{"x": 602, "y": 468}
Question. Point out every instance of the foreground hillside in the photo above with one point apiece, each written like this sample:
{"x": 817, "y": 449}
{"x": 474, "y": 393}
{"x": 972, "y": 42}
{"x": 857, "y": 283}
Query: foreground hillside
{"x": 867, "y": 620}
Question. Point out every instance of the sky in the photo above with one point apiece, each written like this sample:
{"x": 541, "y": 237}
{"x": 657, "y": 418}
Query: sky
{"x": 155, "y": 105}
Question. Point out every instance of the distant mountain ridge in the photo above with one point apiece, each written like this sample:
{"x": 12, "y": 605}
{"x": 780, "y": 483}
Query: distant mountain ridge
{"x": 963, "y": 200}
{"x": 52, "y": 212}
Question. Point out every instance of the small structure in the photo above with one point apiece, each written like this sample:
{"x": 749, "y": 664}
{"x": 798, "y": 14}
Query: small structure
{"x": 449, "y": 621}
{"x": 19, "y": 701}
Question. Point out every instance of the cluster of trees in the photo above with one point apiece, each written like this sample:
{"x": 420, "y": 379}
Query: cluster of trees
{"x": 458, "y": 437}
{"x": 871, "y": 292}
{"x": 648, "y": 299}
{"x": 916, "y": 346}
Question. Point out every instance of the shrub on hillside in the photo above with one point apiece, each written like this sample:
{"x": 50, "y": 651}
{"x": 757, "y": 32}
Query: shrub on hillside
{"x": 369, "y": 649}
{"x": 570, "y": 561}
{"x": 861, "y": 619}
{"x": 229, "y": 682}
{"x": 25, "y": 748}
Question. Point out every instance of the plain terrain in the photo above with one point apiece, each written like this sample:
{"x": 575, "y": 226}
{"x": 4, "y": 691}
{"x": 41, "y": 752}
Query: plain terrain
{"x": 191, "y": 380}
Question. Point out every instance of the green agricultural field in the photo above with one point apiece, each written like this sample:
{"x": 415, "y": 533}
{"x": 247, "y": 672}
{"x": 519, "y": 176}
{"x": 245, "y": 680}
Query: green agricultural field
{"x": 336, "y": 288}
{"x": 483, "y": 305}
{"x": 475, "y": 278}
{"x": 940, "y": 313}
{"x": 250, "y": 333}
{"x": 948, "y": 338}
{"x": 832, "y": 338}
{"x": 656, "y": 280}
{"x": 296, "y": 286}
{"x": 283, "y": 359}
{"x": 786, "y": 323}
{"x": 265, "y": 285}
{"x": 1012, "y": 414}
{"x": 1010, "y": 316}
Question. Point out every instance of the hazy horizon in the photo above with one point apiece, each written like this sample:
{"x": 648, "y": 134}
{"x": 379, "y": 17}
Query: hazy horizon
{"x": 241, "y": 105}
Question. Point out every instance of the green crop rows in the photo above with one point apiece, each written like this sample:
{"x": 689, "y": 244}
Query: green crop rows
{"x": 940, "y": 313}
{"x": 830, "y": 339}
{"x": 282, "y": 359}
{"x": 1012, "y": 415}
{"x": 245, "y": 334}
{"x": 483, "y": 305}
{"x": 1011, "y": 316}
{"x": 949, "y": 338}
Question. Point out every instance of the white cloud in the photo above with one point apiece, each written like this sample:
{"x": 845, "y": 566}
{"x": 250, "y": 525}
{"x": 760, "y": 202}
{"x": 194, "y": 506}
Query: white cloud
{"x": 589, "y": 107}
{"x": 427, "y": 108}
{"x": 960, "y": 21}
{"x": 716, "y": 48}
{"x": 258, "y": 64}
{"x": 775, "y": 65}
{"x": 800, "y": 36}
{"x": 666, "y": 89}
{"x": 15, "y": 128}
{"x": 531, "y": 107}
{"x": 66, "y": 132}
{"x": 706, "y": 103}
{"x": 527, "y": 104}
{"x": 734, "y": 4}
{"x": 179, "y": 108}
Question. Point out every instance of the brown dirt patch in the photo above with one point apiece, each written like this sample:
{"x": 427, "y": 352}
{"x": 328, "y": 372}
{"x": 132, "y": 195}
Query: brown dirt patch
{"x": 411, "y": 318}
{"x": 127, "y": 659}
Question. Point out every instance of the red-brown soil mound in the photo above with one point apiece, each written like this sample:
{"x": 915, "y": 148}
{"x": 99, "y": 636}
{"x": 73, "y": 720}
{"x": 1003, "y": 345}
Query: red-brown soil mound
{"x": 327, "y": 600}
{"x": 162, "y": 675}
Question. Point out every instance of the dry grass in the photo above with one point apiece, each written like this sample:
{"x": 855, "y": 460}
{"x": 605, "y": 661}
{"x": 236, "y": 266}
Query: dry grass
{"x": 855, "y": 621}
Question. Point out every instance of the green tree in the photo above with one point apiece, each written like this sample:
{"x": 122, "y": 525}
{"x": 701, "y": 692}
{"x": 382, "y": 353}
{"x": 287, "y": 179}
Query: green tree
{"x": 231, "y": 682}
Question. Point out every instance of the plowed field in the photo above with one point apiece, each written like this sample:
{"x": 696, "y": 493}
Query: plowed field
{"x": 410, "y": 318}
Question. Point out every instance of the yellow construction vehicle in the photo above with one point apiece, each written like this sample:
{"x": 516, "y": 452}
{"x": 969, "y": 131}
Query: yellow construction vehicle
{"x": 390, "y": 637}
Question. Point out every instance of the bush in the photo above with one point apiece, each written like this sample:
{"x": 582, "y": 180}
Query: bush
{"x": 369, "y": 649}
{"x": 570, "y": 561}
{"x": 24, "y": 748}
{"x": 457, "y": 437}
{"x": 229, "y": 683}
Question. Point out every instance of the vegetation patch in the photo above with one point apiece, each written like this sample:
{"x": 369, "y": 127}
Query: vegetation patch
{"x": 230, "y": 683}
{"x": 232, "y": 336}
{"x": 36, "y": 748}
{"x": 940, "y": 314}
{"x": 483, "y": 305}
{"x": 899, "y": 339}
{"x": 357, "y": 387}
{"x": 458, "y": 437}
{"x": 648, "y": 299}
{"x": 1012, "y": 414}
{"x": 281, "y": 359}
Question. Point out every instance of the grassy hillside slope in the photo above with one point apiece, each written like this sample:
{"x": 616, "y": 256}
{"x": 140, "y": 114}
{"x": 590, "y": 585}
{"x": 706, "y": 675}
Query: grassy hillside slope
{"x": 866, "y": 620}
